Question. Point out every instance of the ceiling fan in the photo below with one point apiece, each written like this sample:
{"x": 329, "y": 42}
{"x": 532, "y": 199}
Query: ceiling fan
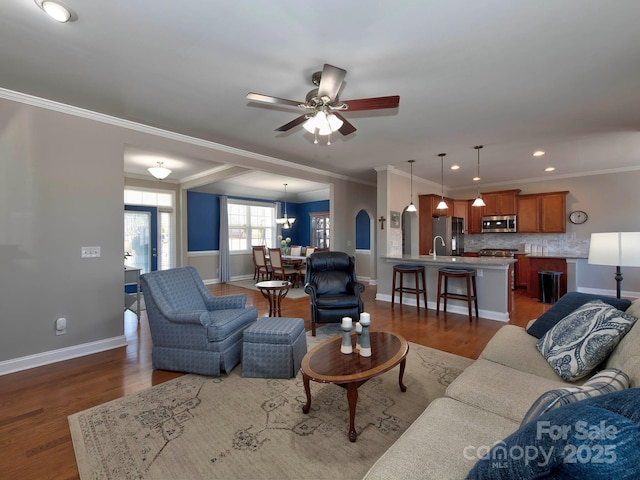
{"x": 322, "y": 116}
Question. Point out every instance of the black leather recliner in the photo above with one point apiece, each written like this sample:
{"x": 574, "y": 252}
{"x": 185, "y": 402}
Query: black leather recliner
{"x": 333, "y": 289}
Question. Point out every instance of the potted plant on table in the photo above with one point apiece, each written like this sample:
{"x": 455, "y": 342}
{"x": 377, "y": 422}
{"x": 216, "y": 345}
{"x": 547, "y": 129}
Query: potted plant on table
{"x": 284, "y": 244}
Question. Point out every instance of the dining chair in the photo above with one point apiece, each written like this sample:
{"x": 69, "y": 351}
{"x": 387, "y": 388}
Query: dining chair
{"x": 308, "y": 251}
{"x": 260, "y": 262}
{"x": 279, "y": 271}
{"x": 295, "y": 251}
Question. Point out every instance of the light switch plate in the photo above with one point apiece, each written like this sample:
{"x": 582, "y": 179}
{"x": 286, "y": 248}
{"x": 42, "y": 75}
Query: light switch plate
{"x": 89, "y": 252}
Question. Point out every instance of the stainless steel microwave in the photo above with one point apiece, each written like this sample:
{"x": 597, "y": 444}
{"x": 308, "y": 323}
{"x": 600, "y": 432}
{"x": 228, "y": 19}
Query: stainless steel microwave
{"x": 499, "y": 224}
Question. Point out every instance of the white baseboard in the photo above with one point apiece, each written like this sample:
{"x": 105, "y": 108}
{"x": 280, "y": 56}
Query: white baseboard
{"x": 451, "y": 308}
{"x": 53, "y": 356}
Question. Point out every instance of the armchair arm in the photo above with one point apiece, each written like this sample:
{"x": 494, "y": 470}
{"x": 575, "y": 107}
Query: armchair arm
{"x": 356, "y": 287}
{"x": 196, "y": 317}
{"x": 226, "y": 302}
{"x": 311, "y": 289}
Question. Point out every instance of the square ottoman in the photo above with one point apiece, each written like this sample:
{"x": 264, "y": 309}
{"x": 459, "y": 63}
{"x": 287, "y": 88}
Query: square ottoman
{"x": 273, "y": 347}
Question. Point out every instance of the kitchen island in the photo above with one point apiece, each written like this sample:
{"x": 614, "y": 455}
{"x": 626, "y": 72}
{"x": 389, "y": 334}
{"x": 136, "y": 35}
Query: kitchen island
{"x": 493, "y": 278}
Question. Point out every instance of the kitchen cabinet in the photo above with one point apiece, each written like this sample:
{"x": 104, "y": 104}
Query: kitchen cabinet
{"x": 475, "y": 219}
{"x": 522, "y": 270}
{"x": 500, "y": 203}
{"x": 427, "y": 210}
{"x": 542, "y": 213}
{"x": 461, "y": 209}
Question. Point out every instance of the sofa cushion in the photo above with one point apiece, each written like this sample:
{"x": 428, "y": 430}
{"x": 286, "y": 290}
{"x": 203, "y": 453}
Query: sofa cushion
{"x": 500, "y": 389}
{"x": 607, "y": 381}
{"x": 584, "y": 338}
{"x": 626, "y": 356}
{"x": 444, "y": 442}
{"x": 596, "y": 438}
{"x": 567, "y": 304}
{"x": 513, "y": 347}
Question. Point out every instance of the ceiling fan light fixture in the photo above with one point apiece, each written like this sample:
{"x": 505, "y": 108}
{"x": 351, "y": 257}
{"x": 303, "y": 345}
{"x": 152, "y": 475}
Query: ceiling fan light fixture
{"x": 159, "y": 171}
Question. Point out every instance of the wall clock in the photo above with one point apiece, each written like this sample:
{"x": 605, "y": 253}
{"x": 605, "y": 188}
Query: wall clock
{"x": 578, "y": 217}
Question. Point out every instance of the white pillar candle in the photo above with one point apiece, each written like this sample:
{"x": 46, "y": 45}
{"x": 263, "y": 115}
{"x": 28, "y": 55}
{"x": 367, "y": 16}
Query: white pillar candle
{"x": 358, "y": 327}
{"x": 347, "y": 322}
{"x": 365, "y": 318}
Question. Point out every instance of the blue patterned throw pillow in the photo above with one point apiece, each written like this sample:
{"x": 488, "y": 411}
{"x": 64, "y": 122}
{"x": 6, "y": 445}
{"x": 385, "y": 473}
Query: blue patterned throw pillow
{"x": 584, "y": 338}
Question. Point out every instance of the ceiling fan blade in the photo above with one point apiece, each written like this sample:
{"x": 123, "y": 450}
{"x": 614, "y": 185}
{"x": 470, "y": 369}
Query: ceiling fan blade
{"x": 372, "y": 103}
{"x": 346, "y": 128}
{"x": 258, "y": 97}
{"x": 292, "y": 123}
{"x": 331, "y": 81}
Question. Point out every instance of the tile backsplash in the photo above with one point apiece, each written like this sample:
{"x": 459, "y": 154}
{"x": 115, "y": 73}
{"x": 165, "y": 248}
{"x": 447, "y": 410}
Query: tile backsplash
{"x": 554, "y": 244}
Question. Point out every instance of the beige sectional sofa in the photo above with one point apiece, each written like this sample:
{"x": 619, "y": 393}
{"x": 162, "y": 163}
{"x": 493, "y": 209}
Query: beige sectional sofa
{"x": 487, "y": 403}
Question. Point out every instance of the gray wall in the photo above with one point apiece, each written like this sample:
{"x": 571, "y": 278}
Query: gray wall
{"x": 61, "y": 188}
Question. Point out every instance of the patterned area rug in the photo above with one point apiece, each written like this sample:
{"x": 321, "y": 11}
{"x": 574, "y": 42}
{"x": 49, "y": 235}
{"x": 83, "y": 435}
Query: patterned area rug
{"x": 245, "y": 428}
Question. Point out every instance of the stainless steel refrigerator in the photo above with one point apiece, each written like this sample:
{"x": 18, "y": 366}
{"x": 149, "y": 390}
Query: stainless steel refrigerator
{"x": 451, "y": 230}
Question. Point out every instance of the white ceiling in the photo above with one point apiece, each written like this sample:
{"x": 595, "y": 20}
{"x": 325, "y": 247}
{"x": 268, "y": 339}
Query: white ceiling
{"x": 513, "y": 75}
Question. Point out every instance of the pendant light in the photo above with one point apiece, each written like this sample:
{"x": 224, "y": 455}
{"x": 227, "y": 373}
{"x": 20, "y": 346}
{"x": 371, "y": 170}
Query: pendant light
{"x": 285, "y": 221}
{"x": 411, "y": 208}
{"x": 442, "y": 205}
{"x": 478, "y": 202}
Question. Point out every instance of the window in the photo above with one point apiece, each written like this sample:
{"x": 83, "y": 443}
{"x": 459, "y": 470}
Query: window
{"x": 250, "y": 224}
{"x": 320, "y": 227}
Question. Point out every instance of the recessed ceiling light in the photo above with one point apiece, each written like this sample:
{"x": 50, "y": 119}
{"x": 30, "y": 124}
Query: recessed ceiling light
{"x": 476, "y": 179}
{"x": 56, "y": 10}
{"x": 538, "y": 153}
{"x": 549, "y": 169}
{"x": 455, "y": 167}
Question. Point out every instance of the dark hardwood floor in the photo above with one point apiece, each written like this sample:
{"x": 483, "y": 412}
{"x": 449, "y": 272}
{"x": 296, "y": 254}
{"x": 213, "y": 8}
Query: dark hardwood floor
{"x": 35, "y": 442}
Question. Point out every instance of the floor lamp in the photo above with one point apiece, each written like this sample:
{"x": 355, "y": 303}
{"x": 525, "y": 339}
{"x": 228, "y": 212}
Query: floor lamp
{"x": 619, "y": 249}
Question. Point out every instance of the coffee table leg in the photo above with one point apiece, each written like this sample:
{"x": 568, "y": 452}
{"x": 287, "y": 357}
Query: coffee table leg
{"x": 307, "y": 390}
{"x": 352, "y": 396}
{"x": 403, "y": 363}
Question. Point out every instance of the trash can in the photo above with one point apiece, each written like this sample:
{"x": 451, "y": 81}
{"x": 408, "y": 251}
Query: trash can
{"x": 549, "y": 286}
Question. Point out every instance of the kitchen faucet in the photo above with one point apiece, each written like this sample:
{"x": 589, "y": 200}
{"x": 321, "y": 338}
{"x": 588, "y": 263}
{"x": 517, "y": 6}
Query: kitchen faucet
{"x": 434, "y": 244}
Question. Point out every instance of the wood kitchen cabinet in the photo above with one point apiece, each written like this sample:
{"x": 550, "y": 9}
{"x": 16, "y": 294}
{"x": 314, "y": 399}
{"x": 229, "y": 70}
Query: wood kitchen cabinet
{"x": 427, "y": 210}
{"x": 542, "y": 213}
{"x": 461, "y": 210}
{"x": 522, "y": 270}
{"x": 500, "y": 203}
{"x": 475, "y": 218}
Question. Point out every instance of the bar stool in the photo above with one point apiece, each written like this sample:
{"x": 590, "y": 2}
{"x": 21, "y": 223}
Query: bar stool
{"x": 418, "y": 272}
{"x": 471, "y": 294}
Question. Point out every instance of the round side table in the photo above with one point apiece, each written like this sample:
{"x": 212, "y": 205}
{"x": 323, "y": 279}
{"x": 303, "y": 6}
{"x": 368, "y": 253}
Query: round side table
{"x": 274, "y": 291}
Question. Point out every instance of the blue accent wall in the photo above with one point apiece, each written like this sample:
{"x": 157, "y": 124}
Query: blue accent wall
{"x": 203, "y": 220}
{"x": 363, "y": 231}
{"x": 303, "y": 222}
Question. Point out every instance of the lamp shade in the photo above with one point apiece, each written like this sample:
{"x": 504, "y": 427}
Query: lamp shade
{"x": 615, "y": 248}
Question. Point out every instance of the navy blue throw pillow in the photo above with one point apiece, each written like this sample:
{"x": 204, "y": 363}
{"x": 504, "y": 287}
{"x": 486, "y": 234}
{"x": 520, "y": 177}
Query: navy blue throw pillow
{"x": 567, "y": 304}
{"x": 596, "y": 438}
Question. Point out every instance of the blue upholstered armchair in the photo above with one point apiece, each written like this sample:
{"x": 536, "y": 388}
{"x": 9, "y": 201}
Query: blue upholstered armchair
{"x": 333, "y": 289}
{"x": 193, "y": 331}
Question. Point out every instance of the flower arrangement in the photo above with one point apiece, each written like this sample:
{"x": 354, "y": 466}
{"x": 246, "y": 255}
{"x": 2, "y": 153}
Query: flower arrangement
{"x": 284, "y": 242}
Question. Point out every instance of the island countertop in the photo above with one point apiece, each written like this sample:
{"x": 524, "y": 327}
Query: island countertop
{"x": 493, "y": 282}
{"x": 443, "y": 260}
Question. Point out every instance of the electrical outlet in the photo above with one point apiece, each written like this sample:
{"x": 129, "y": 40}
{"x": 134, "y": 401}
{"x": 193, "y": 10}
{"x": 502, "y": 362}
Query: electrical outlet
{"x": 89, "y": 252}
{"x": 61, "y": 326}
{"x": 480, "y": 272}
{"x": 459, "y": 291}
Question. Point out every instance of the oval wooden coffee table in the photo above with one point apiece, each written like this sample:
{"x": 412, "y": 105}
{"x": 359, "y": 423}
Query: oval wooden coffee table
{"x": 326, "y": 364}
